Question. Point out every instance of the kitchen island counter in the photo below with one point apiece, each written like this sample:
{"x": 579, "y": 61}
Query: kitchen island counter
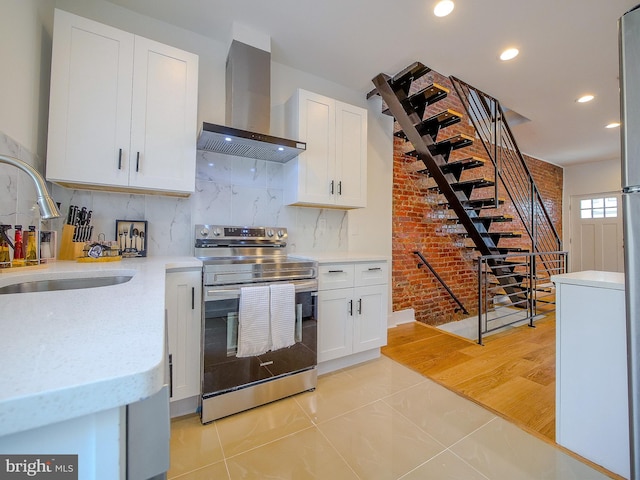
{"x": 71, "y": 353}
{"x": 591, "y": 368}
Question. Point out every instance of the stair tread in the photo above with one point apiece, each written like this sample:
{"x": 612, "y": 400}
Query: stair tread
{"x": 475, "y": 183}
{"x": 404, "y": 76}
{"x": 504, "y": 234}
{"x": 434, "y": 123}
{"x": 421, "y": 99}
{"x": 493, "y": 218}
{"x": 467, "y": 162}
{"x": 485, "y": 182}
{"x": 482, "y": 203}
{"x": 445, "y": 146}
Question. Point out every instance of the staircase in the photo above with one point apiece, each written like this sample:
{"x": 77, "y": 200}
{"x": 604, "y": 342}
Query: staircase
{"x": 473, "y": 212}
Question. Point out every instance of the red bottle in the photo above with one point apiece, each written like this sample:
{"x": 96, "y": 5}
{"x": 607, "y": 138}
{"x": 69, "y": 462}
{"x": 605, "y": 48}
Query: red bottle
{"x": 18, "y": 253}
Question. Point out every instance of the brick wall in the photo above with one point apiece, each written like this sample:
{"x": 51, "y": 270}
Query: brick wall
{"x": 419, "y": 224}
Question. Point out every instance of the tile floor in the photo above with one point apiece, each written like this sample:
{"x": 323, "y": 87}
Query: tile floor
{"x": 377, "y": 420}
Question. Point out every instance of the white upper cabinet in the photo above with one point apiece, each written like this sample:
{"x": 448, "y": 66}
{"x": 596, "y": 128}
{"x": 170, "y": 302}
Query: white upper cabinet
{"x": 123, "y": 110}
{"x": 332, "y": 172}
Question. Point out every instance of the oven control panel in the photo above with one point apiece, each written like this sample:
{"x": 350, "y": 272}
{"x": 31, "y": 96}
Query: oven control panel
{"x": 214, "y": 235}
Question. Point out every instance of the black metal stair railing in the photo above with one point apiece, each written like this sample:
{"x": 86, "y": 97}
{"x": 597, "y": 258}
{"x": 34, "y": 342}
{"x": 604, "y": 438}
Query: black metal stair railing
{"x": 423, "y": 261}
{"x": 490, "y": 123}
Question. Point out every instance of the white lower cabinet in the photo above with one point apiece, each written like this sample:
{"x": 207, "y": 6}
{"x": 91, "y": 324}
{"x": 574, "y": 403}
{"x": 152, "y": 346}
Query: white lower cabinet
{"x": 183, "y": 300}
{"x": 352, "y": 308}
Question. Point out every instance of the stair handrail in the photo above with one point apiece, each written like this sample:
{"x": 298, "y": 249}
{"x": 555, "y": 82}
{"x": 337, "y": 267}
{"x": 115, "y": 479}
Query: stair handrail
{"x": 442, "y": 282}
{"x": 498, "y": 118}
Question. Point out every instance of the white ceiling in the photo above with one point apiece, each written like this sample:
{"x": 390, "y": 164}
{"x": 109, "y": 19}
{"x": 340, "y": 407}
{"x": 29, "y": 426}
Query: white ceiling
{"x": 567, "y": 48}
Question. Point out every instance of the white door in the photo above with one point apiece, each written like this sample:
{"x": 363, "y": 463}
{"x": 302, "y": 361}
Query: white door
{"x": 596, "y": 232}
{"x": 164, "y": 126}
{"x": 335, "y": 323}
{"x": 317, "y": 163}
{"x": 351, "y": 155}
{"x": 90, "y": 109}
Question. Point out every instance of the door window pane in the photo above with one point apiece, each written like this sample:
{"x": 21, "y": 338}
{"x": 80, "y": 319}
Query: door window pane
{"x": 599, "y": 208}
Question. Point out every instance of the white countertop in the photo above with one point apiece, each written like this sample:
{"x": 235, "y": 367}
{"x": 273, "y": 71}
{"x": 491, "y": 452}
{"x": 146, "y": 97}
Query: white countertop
{"x": 74, "y": 352}
{"x": 340, "y": 257}
{"x": 592, "y": 278}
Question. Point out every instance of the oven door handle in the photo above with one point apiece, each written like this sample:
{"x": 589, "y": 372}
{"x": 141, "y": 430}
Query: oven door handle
{"x": 229, "y": 293}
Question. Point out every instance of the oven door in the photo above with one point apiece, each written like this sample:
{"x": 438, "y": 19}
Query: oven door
{"x": 223, "y": 371}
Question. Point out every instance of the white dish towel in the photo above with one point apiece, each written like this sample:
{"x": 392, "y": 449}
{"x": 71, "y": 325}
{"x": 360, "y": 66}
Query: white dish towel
{"x": 254, "y": 336}
{"x": 283, "y": 315}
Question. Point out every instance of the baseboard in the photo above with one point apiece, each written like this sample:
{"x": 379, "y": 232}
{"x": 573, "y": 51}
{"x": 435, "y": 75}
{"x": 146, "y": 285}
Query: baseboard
{"x": 186, "y": 406}
{"x": 401, "y": 316}
{"x": 348, "y": 361}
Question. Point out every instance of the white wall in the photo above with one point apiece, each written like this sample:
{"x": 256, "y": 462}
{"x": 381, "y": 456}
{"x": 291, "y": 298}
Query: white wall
{"x": 26, "y": 58}
{"x": 583, "y": 179}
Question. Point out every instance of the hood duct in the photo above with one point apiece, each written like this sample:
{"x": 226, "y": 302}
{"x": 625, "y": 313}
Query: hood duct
{"x": 248, "y": 110}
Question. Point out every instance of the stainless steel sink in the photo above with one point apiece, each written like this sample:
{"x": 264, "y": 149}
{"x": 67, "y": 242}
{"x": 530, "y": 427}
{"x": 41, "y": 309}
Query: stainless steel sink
{"x": 64, "y": 284}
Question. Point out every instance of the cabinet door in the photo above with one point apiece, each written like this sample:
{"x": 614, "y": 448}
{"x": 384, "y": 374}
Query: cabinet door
{"x": 164, "y": 117}
{"x": 317, "y": 164}
{"x": 335, "y": 324}
{"x": 183, "y": 298}
{"x": 351, "y": 155}
{"x": 90, "y": 102}
{"x": 370, "y": 324}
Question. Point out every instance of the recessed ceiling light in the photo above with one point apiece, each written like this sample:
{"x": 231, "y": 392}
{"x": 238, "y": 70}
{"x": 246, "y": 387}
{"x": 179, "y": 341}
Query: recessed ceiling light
{"x": 613, "y": 125}
{"x": 443, "y": 8}
{"x": 228, "y": 139}
{"x": 509, "y": 54}
{"x": 585, "y": 98}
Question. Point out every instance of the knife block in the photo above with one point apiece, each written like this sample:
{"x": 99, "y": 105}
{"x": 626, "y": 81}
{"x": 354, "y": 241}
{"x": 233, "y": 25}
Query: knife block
{"x": 70, "y": 250}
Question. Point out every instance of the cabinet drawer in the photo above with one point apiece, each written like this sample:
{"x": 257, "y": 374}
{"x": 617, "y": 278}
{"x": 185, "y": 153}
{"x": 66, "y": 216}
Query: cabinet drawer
{"x": 338, "y": 275}
{"x": 374, "y": 273}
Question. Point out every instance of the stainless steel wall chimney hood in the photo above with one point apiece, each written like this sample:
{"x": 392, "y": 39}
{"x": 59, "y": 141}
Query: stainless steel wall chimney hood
{"x": 248, "y": 108}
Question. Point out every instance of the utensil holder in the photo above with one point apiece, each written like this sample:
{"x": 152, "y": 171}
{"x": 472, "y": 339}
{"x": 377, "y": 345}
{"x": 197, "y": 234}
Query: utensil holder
{"x": 70, "y": 250}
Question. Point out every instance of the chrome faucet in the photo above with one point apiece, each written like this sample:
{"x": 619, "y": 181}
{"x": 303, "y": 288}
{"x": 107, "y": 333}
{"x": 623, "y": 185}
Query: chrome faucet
{"x": 48, "y": 208}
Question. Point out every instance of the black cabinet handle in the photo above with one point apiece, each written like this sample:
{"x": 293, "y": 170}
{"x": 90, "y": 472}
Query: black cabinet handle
{"x": 137, "y": 161}
{"x": 170, "y": 375}
{"x": 340, "y": 187}
{"x": 193, "y": 298}
{"x": 120, "y": 159}
{"x": 336, "y": 271}
{"x": 351, "y": 307}
{"x": 332, "y": 182}
{"x": 374, "y": 269}
{"x": 359, "y": 306}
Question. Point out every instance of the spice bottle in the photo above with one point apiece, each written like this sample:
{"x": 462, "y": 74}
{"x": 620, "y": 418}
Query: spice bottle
{"x": 18, "y": 253}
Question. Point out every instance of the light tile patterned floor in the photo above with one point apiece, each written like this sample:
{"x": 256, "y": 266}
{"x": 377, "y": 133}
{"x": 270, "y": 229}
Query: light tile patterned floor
{"x": 378, "y": 420}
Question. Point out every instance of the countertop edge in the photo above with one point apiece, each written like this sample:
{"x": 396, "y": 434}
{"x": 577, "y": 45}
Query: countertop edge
{"x": 592, "y": 278}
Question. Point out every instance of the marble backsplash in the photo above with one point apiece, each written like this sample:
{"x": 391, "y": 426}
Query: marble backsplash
{"x": 229, "y": 190}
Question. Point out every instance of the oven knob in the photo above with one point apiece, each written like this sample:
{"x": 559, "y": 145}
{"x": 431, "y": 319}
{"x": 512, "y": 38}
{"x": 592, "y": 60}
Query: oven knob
{"x": 204, "y": 232}
{"x": 280, "y": 234}
{"x": 269, "y": 233}
{"x": 216, "y": 232}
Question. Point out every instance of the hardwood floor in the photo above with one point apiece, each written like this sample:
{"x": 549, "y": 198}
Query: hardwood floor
{"x": 513, "y": 374}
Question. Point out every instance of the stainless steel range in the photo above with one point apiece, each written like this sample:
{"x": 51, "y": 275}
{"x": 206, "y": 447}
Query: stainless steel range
{"x": 254, "y": 296}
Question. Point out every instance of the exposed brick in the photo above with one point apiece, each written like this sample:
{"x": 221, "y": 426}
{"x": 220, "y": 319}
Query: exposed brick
{"x": 418, "y": 226}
